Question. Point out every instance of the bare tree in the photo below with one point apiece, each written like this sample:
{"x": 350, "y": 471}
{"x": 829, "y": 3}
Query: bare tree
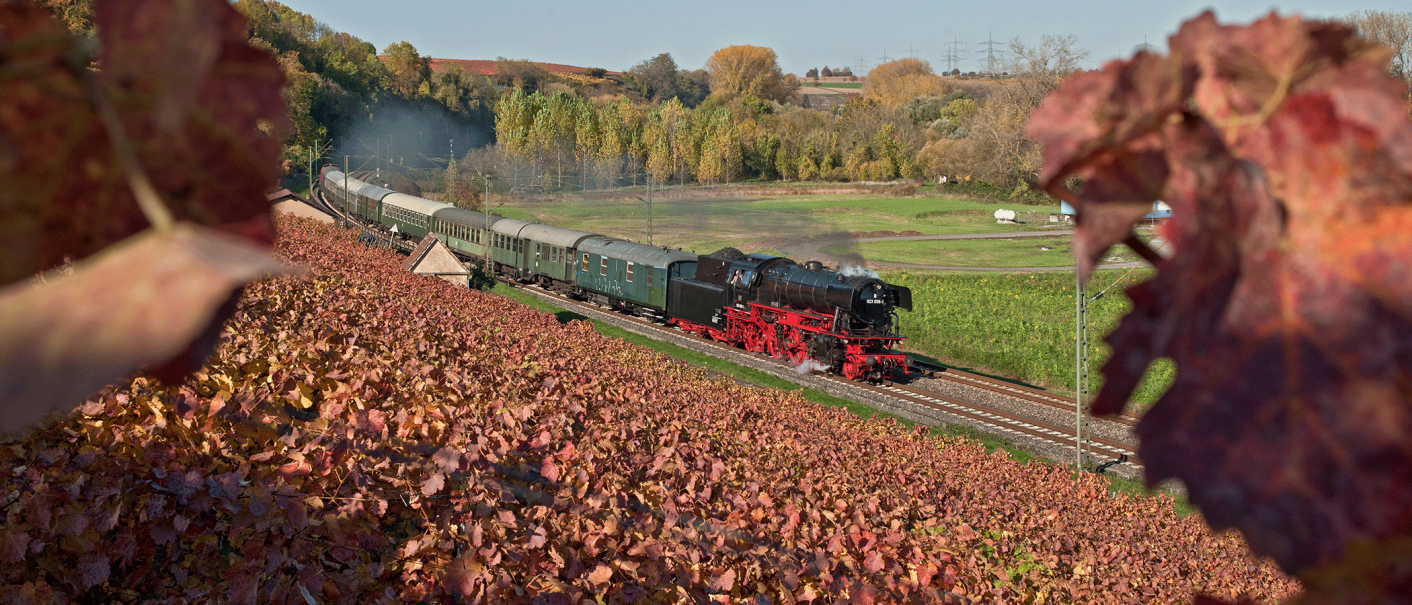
{"x": 1041, "y": 69}
{"x": 1393, "y": 30}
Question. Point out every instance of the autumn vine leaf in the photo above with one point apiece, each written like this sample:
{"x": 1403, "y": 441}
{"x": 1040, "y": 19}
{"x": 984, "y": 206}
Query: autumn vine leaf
{"x": 1285, "y": 152}
{"x": 159, "y": 155}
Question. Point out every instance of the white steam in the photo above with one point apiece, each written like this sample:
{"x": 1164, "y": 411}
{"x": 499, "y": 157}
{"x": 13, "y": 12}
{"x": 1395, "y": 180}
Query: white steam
{"x": 810, "y": 365}
{"x": 856, "y": 271}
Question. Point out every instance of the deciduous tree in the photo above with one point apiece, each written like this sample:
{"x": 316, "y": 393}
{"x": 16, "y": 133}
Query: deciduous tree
{"x": 1390, "y": 29}
{"x": 897, "y": 82}
{"x": 408, "y": 69}
{"x": 746, "y": 69}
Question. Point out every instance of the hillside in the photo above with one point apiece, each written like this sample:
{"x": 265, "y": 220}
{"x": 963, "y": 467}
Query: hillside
{"x": 487, "y": 67}
{"x": 367, "y": 435}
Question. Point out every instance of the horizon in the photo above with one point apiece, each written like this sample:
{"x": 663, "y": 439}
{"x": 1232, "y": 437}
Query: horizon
{"x": 577, "y": 35}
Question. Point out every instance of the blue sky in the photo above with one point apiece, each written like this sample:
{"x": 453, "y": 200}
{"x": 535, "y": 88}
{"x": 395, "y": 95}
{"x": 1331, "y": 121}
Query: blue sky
{"x": 617, "y": 34}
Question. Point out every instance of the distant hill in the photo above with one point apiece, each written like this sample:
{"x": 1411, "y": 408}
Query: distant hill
{"x": 483, "y": 67}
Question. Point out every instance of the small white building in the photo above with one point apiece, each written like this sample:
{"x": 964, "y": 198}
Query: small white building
{"x": 431, "y": 257}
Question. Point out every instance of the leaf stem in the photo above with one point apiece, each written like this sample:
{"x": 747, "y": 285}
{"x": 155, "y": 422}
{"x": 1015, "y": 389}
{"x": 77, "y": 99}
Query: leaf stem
{"x": 147, "y": 197}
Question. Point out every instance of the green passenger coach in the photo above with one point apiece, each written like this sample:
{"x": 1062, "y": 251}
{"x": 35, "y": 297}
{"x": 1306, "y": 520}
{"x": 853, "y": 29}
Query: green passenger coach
{"x": 637, "y": 274}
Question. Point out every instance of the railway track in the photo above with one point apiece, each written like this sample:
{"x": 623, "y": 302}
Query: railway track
{"x": 1010, "y": 389}
{"x": 1104, "y": 451}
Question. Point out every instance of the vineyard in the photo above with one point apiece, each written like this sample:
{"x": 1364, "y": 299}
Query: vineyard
{"x": 366, "y": 435}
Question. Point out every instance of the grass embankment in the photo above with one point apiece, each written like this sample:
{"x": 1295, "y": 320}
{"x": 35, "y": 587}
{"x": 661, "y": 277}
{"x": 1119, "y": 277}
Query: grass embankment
{"x": 757, "y": 378}
{"x": 1020, "y": 325}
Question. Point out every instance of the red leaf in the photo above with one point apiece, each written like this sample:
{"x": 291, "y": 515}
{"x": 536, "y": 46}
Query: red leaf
{"x": 171, "y": 69}
{"x": 723, "y": 582}
{"x": 548, "y": 470}
{"x": 873, "y": 562}
{"x": 1288, "y": 305}
{"x": 460, "y": 576}
{"x": 447, "y": 459}
{"x": 13, "y": 544}
{"x": 433, "y": 484}
{"x": 93, "y": 569}
{"x": 717, "y": 469}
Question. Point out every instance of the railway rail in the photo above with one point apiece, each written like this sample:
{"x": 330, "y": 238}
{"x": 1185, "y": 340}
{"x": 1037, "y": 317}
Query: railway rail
{"x": 1106, "y": 452}
{"x": 995, "y": 420}
{"x": 1010, "y": 389}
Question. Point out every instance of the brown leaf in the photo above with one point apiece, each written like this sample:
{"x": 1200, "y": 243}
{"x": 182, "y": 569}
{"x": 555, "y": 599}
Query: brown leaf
{"x": 142, "y": 302}
{"x": 600, "y": 574}
{"x": 190, "y": 93}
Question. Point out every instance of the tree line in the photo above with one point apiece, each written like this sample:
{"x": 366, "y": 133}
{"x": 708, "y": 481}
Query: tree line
{"x": 737, "y": 118}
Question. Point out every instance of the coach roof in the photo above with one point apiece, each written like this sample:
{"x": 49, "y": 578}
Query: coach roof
{"x": 637, "y": 253}
{"x": 554, "y": 236}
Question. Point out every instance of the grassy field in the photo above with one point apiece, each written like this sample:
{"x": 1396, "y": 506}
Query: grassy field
{"x": 763, "y": 224}
{"x": 1019, "y": 325}
{"x": 1017, "y": 252}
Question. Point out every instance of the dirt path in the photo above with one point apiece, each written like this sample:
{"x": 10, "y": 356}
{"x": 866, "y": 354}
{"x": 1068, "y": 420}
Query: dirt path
{"x": 813, "y": 250}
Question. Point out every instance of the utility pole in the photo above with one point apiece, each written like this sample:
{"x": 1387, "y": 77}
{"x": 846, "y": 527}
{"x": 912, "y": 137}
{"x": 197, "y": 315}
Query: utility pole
{"x": 911, "y": 51}
{"x": 859, "y": 72}
{"x": 1144, "y": 47}
{"x": 884, "y": 58}
{"x": 649, "y": 208}
{"x": 1082, "y": 449}
{"x": 989, "y": 45}
{"x": 486, "y": 237}
{"x": 343, "y": 216}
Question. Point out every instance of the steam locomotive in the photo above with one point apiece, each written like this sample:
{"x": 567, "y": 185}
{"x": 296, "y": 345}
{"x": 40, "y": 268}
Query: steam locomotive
{"x": 816, "y": 318}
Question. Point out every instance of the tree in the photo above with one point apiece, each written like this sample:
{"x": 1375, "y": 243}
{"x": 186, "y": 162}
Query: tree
{"x": 813, "y": 72}
{"x": 693, "y": 87}
{"x": 1041, "y": 69}
{"x": 1393, "y": 30}
{"x": 409, "y": 70}
{"x": 76, "y": 15}
{"x": 745, "y": 69}
{"x": 897, "y": 82}
{"x": 656, "y": 78}
{"x": 827, "y": 73}
{"x": 519, "y": 73}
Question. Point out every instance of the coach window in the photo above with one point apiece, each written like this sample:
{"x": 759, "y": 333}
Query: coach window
{"x": 629, "y": 271}
{"x": 585, "y": 263}
{"x": 603, "y": 266}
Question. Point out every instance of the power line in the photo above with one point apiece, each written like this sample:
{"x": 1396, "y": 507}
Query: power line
{"x": 884, "y": 58}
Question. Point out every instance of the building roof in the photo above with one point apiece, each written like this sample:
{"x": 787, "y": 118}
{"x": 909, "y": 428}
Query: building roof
{"x": 433, "y": 257}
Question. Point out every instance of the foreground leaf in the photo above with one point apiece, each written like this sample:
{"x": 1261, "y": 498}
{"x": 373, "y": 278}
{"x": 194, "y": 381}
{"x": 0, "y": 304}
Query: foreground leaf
{"x": 1288, "y": 305}
{"x": 201, "y": 106}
